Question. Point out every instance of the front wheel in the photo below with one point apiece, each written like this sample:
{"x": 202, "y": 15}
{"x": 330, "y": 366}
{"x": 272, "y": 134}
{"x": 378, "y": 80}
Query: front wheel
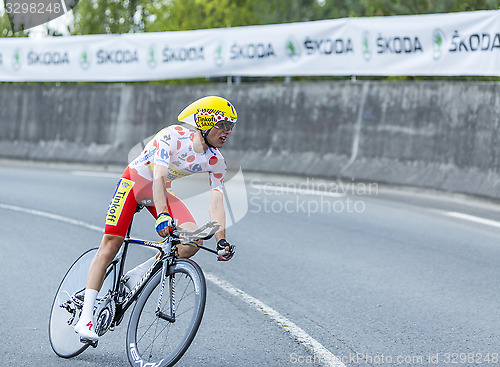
{"x": 161, "y": 338}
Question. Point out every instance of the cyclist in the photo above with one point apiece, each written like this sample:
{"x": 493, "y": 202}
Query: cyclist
{"x": 174, "y": 152}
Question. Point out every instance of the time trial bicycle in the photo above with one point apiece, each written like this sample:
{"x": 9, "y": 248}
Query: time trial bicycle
{"x": 169, "y": 301}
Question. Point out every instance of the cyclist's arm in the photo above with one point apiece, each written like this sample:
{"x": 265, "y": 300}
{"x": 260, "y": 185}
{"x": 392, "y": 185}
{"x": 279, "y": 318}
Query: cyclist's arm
{"x": 161, "y": 161}
{"x": 159, "y": 188}
{"x": 217, "y": 213}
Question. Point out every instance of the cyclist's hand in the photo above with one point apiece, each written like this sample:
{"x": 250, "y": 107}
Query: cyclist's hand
{"x": 225, "y": 250}
{"x": 163, "y": 224}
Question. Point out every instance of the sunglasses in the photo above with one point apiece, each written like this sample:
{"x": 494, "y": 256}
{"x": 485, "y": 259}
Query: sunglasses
{"x": 224, "y": 125}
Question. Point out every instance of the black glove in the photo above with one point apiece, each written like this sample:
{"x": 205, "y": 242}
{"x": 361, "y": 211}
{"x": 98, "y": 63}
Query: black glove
{"x": 221, "y": 250}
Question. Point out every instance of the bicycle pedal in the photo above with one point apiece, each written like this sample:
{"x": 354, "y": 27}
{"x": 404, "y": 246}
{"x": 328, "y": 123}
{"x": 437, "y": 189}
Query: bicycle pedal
{"x": 92, "y": 343}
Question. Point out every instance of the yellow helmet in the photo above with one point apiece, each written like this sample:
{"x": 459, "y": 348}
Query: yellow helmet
{"x": 205, "y": 112}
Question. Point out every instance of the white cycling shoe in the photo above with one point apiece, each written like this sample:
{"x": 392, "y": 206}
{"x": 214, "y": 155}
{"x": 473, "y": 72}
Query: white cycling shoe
{"x": 86, "y": 330}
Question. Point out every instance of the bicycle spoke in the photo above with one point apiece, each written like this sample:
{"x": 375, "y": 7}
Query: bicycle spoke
{"x": 157, "y": 339}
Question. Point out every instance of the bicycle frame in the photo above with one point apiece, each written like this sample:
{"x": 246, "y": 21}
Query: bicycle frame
{"x": 166, "y": 257}
{"x": 167, "y": 251}
{"x": 114, "y": 299}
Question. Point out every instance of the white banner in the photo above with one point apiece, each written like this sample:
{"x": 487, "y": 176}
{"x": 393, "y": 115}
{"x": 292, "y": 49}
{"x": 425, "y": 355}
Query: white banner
{"x": 438, "y": 44}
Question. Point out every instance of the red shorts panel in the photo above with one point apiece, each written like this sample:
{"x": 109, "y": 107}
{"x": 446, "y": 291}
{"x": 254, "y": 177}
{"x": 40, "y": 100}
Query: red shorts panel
{"x": 131, "y": 190}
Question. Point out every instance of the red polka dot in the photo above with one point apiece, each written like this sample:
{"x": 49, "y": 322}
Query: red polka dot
{"x": 213, "y": 160}
{"x": 180, "y": 130}
{"x": 218, "y": 175}
{"x": 190, "y": 158}
{"x": 210, "y": 181}
{"x": 178, "y": 144}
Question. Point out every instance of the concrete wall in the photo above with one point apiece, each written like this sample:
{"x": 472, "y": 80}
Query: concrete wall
{"x": 431, "y": 134}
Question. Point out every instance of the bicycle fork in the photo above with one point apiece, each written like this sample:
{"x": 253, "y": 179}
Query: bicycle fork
{"x": 171, "y": 280}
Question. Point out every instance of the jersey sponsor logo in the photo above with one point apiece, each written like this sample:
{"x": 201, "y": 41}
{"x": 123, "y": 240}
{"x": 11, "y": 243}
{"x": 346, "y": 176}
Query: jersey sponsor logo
{"x": 163, "y": 154}
{"x": 174, "y": 173}
{"x": 166, "y": 139}
{"x": 144, "y": 159}
{"x": 116, "y": 205}
{"x": 196, "y": 167}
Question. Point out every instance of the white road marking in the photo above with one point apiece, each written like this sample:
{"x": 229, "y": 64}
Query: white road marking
{"x": 51, "y": 216}
{"x": 321, "y": 354}
{"x": 473, "y": 218}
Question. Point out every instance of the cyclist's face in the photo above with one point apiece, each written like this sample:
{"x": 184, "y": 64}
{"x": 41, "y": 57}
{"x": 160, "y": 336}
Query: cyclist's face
{"x": 219, "y": 133}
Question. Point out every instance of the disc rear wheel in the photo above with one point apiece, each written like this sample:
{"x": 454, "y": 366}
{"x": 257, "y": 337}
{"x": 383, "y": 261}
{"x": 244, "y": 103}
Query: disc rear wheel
{"x": 66, "y": 307}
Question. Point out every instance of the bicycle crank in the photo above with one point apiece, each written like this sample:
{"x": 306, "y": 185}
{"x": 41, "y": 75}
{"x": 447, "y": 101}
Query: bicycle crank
{"x": 105, "y": 313}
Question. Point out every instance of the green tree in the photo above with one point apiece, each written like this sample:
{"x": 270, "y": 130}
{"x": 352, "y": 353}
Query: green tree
{"x": 117, "y": 16}
{"x": 199, "y": 14}
{"x": 284, "y": 11}
{"x": 109, "y": 16}
{"x": 330, "y": 9}
{"x": 6, "y": 29}
{"x": 122, "y": 16}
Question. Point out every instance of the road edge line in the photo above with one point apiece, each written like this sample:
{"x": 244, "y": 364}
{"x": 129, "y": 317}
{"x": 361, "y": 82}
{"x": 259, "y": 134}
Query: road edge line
{"x": 321, "y": 355}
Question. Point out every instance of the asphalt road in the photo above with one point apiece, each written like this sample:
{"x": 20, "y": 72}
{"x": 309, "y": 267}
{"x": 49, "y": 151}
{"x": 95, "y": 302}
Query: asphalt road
{"x": 391, "y": 278}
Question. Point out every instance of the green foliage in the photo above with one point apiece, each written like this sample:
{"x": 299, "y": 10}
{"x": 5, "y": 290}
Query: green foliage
{"x": 123, "y": 16}
{"x": 333, "y": 9}
{"x": 198, "y": 14}
{"x": 109, "y": 16}
{"x": 6, "y": 30}
{"x": 344, "y": 8}
{"x": 284, "y": 11}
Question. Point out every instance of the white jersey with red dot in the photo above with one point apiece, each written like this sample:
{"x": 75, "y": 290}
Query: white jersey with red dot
{"x": 172, "y": 147}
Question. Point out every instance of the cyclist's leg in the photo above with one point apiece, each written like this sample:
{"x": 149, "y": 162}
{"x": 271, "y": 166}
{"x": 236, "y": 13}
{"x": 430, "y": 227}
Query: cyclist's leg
{"x": 120, "y": 213}
{"x": 186, "y": 251}
{"x": 185, "y": 220}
